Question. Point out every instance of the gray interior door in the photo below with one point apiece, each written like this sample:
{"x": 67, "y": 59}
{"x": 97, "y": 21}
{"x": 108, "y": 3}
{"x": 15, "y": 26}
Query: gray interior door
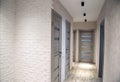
{"x": 74, "y": 45}
{"x": 67, "y": 65}
{"x": 101, "y": 53}
{"x": 86, "y": 46}
{"x": 56, "y": 47}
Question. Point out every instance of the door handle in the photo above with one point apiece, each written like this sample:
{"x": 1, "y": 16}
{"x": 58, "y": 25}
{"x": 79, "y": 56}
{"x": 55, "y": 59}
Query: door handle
{"x": 58, "y": 53}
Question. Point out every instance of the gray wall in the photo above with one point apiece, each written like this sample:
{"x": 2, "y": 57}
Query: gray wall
{"x": 112, "y": 40}
{"x": 7, "y": 40}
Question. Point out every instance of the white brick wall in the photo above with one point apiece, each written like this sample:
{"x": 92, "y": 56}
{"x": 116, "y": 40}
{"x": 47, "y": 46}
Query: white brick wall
{"x": 30, "y": 30}
{"x": 33, "y": 36}
{"x": 7, "y": 40}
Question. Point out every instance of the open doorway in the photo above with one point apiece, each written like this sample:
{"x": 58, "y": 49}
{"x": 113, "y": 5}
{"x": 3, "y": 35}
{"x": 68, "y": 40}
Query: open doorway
{"x": 101, "y": 53}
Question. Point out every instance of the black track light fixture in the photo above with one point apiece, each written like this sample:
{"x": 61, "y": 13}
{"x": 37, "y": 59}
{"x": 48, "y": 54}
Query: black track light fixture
{"x": 85, "y": 20}
{"x": 82, "y": 3}
{"x": 84, "y": 14}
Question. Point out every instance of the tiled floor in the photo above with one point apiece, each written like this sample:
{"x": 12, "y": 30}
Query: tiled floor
{"x": 83, "y": 72}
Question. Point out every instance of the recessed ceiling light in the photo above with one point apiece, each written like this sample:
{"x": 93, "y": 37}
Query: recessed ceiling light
{"x": 82, "y": 3}
{"x": 85, "y": 20}
{"x": 84, "y": 14}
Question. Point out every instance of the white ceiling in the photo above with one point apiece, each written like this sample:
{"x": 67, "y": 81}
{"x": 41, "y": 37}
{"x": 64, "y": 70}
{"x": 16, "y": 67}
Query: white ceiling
{"x": 92, "y": 9}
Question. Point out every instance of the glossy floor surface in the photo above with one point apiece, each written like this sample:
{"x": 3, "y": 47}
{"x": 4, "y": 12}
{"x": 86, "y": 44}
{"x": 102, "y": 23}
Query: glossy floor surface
{"x": 83, "y": 72}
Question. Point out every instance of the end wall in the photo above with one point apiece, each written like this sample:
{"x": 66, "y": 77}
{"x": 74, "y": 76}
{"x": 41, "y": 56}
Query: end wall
{"x": 85, "y": 26}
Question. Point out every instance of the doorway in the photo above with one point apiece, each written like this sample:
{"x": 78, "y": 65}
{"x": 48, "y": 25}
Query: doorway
{"x": 56, "y": 47}
{"x": 101, "y": 53}
{"x": 74, "y": 46}
{"x": 67, "y": 60}
{"x": 86, "y": 41}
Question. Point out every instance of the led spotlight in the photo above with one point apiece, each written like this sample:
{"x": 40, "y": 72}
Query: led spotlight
{"x": 84, "y": 14}
{"x": 85, "y": 20}
{"x": 82, "y": 3}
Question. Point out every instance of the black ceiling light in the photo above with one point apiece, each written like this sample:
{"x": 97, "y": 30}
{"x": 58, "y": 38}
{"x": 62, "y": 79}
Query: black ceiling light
{"x": 82, "y": 3}
{"x": 85, "y": 20}
{"x": 84, "y": 14}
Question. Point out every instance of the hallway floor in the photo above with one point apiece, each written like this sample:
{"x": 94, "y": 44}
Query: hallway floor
{"x": 83, "y": 72}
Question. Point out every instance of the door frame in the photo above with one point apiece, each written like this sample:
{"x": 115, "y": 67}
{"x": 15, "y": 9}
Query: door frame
{"x": 101, "y": 49}
{"x": 92, "y": 31}
{"x": 67, "y": 22}
{"x": 53, "y": 12}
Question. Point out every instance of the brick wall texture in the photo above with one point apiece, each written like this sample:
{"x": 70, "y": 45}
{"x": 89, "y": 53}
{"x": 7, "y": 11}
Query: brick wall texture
{"x": 25, "y": 40}
{"x": 7, "y": 40}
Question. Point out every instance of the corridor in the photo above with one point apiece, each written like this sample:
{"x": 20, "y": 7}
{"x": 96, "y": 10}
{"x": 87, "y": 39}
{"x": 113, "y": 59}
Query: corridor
{"x": 59, "y": 40}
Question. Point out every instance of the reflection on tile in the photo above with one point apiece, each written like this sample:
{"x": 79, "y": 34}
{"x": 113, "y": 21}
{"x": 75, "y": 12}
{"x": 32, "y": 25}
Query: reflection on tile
{"x": 83, "y": 72}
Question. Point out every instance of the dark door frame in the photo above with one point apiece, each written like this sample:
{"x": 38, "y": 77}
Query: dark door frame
{"x": 101, "y": 49}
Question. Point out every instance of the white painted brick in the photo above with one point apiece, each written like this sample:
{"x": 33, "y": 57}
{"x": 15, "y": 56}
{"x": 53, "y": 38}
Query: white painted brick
{"x": 33, "y": 36}
{"x": 7, "y": 40}
{"x": 25, "y": 25}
